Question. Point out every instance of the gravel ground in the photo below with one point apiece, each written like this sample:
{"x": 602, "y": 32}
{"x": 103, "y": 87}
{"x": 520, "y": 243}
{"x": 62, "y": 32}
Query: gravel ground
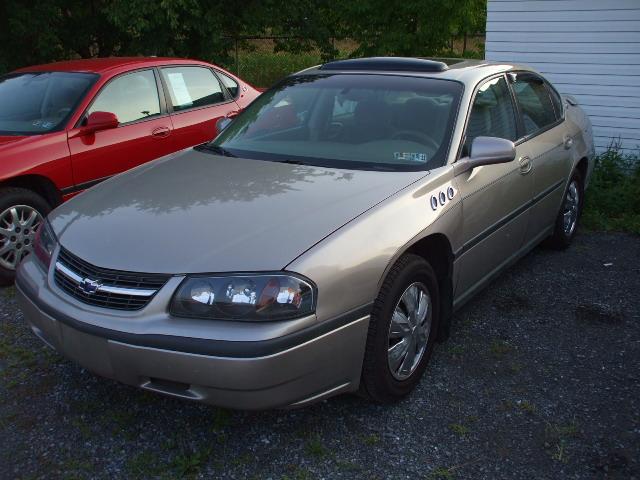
{"x": 540, "y": 379}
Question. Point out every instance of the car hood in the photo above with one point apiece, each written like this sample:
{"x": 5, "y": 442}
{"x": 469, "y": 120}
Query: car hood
{"x": 197, "y": 212}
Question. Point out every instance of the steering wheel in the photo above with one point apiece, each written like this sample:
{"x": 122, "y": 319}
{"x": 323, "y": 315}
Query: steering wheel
{"x": 415, "y": 135}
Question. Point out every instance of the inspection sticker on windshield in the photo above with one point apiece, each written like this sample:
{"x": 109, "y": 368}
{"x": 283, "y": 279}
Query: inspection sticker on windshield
{"x": 411, "y": 157}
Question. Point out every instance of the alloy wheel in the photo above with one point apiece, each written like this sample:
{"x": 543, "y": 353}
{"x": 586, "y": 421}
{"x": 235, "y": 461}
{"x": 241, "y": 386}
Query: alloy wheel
{"x": 18, "y": 226}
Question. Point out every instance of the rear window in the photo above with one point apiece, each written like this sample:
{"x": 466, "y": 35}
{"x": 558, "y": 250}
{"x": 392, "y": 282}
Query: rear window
{"x": 230, "y": 83}
{"x": 535, "y": 103}
{"x": 40, "y": 102}
{"x": 192, "y": 87}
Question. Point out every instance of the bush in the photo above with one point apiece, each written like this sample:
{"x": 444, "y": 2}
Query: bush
{"x": 263, "y": 69}
{"x": 613, "y": 197}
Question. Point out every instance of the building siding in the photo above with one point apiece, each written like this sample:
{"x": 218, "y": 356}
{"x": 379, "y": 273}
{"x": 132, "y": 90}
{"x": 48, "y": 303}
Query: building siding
{"x": 587, "y": 48}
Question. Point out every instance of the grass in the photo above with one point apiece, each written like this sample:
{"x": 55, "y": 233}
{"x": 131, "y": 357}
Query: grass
{"x": 441, "y": 473}
{"x": 557, "y": 437}
{"x": 188, "y": 464}
{"x": 527, "y": 407}
{"x": 499, "y": 348}
{"x": 371, "y": 439}
{"x": 315, "y": 447}
{"x": 459, "y": 429}
{"x": 8, "y": 292}
{"x": 613, "y": 196}
{"x": 263, "y": 69}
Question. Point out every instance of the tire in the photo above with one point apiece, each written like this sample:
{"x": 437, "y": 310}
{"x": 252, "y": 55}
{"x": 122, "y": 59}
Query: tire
{"x": 381, "y": 382}
{"x": 563, "y": 236}
{"x": 16, "y": 236}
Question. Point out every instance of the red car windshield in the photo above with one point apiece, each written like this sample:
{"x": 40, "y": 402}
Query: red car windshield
{"x": 40, "y": 102}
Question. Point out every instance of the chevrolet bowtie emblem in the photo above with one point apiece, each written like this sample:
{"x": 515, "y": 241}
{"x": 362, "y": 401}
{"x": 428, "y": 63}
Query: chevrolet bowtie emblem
{"x": 89, "y": 286}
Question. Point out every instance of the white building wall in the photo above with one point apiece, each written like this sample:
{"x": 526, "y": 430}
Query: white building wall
{"x": 586, "y": 48}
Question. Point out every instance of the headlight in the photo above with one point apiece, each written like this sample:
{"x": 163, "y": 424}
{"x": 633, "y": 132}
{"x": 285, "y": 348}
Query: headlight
{"x": 257, "y": 297}
{"x": 44, "y": 243}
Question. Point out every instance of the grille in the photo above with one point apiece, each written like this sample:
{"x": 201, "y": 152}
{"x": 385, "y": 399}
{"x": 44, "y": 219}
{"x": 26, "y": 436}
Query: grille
{"x": 117, "y": 289}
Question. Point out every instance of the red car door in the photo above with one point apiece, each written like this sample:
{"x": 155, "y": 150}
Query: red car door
{"x": 197, "y": 101}
{"x": 144, "y": 131}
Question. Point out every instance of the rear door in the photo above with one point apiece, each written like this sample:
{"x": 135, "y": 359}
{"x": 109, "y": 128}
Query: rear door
{"x": 197, "y": 101}
{"x": 549, "y": 147}
{"x": 494, "y": 197}
{"x": 144, "y": 132}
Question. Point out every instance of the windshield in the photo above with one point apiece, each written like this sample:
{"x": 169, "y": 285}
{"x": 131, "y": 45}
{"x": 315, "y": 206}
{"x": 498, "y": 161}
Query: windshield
{"x": 32, "y": 103}
{"x": 357, "y": 121}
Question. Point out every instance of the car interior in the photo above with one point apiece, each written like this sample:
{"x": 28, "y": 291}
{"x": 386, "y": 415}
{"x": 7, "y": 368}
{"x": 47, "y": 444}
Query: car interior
{"x": 386, "y": 124}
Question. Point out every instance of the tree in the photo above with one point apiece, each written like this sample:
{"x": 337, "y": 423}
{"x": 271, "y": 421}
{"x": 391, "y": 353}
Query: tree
{"x": 48, "y": 30}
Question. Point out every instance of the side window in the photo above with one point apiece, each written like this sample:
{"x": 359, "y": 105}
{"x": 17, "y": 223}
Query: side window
{"x": 557, "y": 101}
{"x": 230, "y": 83}
{"x": 191, "y": 87}
{"x": 131, "y": 97}
{"x": 535, "y": 103}
{"x": 492, "y": 113}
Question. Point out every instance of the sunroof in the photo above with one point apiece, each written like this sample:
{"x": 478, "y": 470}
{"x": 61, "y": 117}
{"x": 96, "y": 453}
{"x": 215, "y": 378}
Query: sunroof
{"x": 390, "y": 64}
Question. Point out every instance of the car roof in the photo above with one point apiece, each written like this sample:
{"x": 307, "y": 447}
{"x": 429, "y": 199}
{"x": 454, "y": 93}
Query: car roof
{"x": 463, "y": 70}
{"x": 103, "y": 65}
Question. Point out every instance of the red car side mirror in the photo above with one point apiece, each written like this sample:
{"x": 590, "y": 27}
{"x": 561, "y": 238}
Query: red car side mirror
{"x": 97, "y": 121}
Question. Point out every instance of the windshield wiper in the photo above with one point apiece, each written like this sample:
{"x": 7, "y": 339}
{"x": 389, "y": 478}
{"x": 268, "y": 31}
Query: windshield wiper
{"x": 217, "y": 149}
{"x": 291, "y": 162}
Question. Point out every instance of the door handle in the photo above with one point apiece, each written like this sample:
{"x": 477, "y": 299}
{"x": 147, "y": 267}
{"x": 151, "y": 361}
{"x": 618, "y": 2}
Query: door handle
{"x": 568, "y": 142}
{"x": 525, "y": 165}
{"x": 161, "y": 132}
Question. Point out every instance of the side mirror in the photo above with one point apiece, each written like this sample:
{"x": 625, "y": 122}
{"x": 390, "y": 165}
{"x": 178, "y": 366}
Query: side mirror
{"x": 97, "y": 121}
{"x": 486, "y": 151}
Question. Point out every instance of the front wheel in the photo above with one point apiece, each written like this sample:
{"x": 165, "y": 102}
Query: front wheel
{"x": 402, "y": 330}
{"x": 569, "y": 215}
{"x": 21, "y": 212}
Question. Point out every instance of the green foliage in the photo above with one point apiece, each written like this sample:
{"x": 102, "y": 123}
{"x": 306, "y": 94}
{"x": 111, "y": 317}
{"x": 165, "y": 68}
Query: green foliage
{"x": 410, "y": 27}
{"x": 264, "y": 68}
{"x": 613, "y": 196}
{"x": 50, "y": 30}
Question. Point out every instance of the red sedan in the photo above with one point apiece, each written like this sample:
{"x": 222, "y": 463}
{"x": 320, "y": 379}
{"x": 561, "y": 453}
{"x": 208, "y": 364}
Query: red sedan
{"x": 69, "y": 125}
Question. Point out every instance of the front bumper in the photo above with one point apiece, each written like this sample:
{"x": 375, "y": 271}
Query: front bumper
{"x": 234, "y": 365}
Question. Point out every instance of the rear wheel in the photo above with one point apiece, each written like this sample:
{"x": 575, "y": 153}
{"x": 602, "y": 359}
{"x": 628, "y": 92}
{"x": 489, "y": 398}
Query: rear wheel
{"x": 402, "y": 330}
{"x": 21, "y": 212}
{"x": 569, "y": 215}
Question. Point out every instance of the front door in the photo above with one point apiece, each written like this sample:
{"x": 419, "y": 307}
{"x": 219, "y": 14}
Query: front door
{"x": 494, "y": 197}
{"x": 144, "y": 132}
